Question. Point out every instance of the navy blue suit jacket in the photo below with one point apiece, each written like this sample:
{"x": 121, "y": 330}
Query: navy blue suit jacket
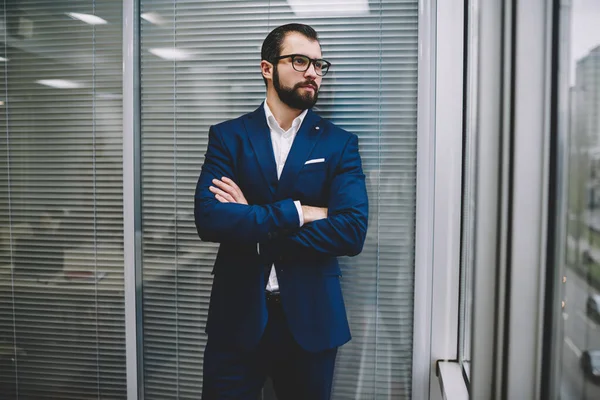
{"x": 304, "y": 258}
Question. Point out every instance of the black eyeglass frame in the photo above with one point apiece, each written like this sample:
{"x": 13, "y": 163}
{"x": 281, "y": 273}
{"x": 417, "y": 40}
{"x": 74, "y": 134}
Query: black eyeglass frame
{"x": 310, "y": 61}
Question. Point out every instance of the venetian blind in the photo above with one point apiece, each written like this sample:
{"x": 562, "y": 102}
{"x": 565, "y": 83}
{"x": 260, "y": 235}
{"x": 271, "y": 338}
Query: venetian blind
{"x": 62, "y": 331}
{"x": 199, "y": 66}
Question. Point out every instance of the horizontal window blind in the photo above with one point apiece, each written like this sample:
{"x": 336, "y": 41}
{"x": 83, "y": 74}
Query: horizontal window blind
{"x": 200, "y": 66}
{"x": 62, "y": 332}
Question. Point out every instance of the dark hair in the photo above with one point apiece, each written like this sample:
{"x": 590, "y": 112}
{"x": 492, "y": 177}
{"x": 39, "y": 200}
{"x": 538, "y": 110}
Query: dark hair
{"x": 271, "y": 47}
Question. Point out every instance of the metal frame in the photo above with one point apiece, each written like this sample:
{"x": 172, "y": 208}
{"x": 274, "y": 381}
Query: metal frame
{"x": 488, "y": 201}
{"x": 512, "y": 198}
{"x": 529, "y": 216}
{"x": 468, "y": 187}
{"x": 449, "y": 95}
{"x": 425, "y": 202}
{"x": 439, "y": 171}
{"x": 452, "y": 382}
{"x": 132, "y": 200}
{"x": 553, "y": 352}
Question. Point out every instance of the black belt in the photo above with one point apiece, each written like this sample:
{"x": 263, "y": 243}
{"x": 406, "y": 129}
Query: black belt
{"x": 273, "y": 297}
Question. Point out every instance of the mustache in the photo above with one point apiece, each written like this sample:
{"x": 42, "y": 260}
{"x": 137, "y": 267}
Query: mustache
{"x": 307, "y": 83}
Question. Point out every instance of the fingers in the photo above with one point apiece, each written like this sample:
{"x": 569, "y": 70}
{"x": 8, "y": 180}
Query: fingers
{"x": 221, "y": 198}
{"x": 222, "y": 194}
{"x": 229, "y": 190}
{"x": 230, "y": 187}
{"x": 224, "y": 190}
{"x": 232, "y": 184}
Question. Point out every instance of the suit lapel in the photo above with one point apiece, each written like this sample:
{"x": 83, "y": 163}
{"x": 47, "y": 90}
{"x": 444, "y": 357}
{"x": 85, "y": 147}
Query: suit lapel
{"x": 260, "y": 138}
{"x": 305, "y": 140}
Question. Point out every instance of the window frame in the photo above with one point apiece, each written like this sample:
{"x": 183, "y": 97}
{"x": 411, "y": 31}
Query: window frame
{"x": 514, "y": 137}
{"x": 439, "y": 176}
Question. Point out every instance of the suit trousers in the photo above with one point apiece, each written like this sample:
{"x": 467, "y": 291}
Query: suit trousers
{"x": 230, "y": 373}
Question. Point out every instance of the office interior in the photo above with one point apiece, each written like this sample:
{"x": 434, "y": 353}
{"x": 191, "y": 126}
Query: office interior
{"x": 479, "y": 131}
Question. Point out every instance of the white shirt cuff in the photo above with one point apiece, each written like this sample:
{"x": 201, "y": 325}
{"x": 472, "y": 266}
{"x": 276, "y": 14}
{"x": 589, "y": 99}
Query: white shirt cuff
{"x": 300, "y": 213}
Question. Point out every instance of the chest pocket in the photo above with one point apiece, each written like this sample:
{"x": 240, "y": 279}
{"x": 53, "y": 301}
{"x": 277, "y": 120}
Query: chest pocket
{"x": 314, "y": 167}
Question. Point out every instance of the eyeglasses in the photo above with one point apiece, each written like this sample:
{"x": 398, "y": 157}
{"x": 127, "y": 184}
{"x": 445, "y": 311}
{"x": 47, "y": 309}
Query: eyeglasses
{"x": 301, "y": 63}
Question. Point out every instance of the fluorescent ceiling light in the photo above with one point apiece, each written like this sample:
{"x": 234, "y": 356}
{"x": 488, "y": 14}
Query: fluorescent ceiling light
{"x": 88, "y": 18}
{"x": 172, "y": 54}
{"x": 2, "y": 59}
{"x": 59, "y": 83}
{"x": 154, "y": 18}
{"x": 329, "y": 7}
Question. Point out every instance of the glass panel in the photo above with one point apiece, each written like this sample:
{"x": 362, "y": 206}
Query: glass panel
{"x": 200, "y": 66}
{"x": 62, "y": 332}
{"x": 580, "y": 50}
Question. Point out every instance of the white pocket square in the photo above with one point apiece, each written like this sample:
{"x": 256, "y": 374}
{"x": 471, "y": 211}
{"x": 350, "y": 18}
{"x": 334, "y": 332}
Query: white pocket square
{"x": 314, "y": 161}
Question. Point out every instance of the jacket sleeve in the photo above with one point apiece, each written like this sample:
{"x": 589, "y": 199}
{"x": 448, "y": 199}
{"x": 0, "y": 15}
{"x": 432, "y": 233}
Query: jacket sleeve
{"x": 229, "y": 222}
{"x": 344, "y": 230}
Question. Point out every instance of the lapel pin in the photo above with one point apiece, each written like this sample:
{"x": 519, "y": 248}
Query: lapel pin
{"x": 317, "y": 128}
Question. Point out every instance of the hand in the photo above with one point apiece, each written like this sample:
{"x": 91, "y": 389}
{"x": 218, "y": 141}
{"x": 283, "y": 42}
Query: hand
{"x": 226, "y": 191}
{"x": 313, "y": 213}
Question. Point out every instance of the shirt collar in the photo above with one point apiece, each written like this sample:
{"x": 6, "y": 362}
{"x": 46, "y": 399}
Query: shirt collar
{"x": 274, "y": 125}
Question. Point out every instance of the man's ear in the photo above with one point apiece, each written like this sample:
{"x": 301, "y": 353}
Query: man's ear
{"x": 266, "y": 69}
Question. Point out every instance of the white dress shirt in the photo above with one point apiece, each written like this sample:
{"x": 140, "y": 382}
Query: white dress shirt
{"x": 282, "y": 143}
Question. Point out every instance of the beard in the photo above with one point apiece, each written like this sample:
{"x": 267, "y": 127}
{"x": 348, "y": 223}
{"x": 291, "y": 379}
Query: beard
{"x": 292, "y": 97}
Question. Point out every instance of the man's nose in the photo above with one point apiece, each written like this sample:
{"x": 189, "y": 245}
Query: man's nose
{"x": 310, "y": 72}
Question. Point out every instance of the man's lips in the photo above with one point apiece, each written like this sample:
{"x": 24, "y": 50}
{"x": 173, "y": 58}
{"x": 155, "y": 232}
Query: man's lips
{"x": 311, "y": 87}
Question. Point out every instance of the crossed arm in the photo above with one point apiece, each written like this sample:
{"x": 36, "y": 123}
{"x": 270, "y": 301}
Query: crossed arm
{"x": 222, "y": 213}
{"x": 227, "y": 191}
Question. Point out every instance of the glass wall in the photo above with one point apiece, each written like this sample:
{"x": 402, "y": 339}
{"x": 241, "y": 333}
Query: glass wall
{"x": 200, "y": 66}
{"x": 580, "y": 340}
{"x": 62, "y": 331}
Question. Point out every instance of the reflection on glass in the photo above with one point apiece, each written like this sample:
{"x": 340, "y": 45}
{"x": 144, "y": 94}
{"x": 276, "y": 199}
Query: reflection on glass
{"x": 580, "y": 376}
{"x": 62, "y": 330}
